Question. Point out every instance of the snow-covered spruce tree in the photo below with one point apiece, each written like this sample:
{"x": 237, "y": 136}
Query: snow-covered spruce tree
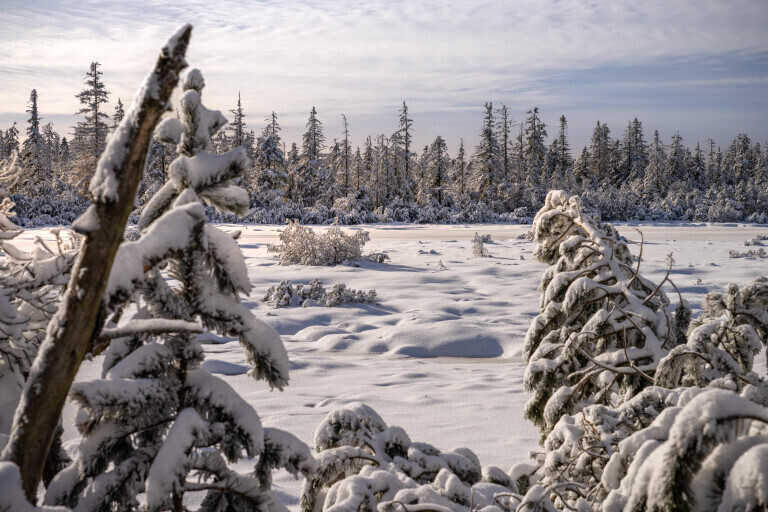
{"x": 602, "y": 327}
{"x": 364, "y": 465}
{"x": 595, "y": 447}
{"x": 156, "y": 422}
{"x": 30, "y": 289}
{"x": 91, "y": 133}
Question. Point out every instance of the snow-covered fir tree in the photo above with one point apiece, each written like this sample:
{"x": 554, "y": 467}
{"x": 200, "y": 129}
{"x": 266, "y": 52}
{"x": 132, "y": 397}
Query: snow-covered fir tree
{"x": 312, "y": 170}
{"x": 91, "y": 132}
{"x": 533, "y": 151}
{"x": 271, "y": 176}
{"x": 118, "y": 116}
{"x": 655, "y": 176}
{"x": 486, "y": 162}
{"x": 37, "y": 172}
{"x": 157, "y": 424}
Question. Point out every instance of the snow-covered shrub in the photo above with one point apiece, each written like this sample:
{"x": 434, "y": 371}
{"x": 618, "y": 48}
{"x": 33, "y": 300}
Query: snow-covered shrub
{"x": 284, "y": 294}
{"x": 478, "y": 245}
{"x": 363, "y": 464}
{"x": 602, "y": 327}
{"x": 527, "y": 236}
{"x": 31, "y": 284}
{"x": 758, "y": 240}
{"x": 303, "y": 246}
{"x": 157, "y": 424}
{"x": 751, "y": 253}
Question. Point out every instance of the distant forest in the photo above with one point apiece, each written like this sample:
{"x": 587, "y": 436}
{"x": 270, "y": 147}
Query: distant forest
{"x": 503, "y": 179}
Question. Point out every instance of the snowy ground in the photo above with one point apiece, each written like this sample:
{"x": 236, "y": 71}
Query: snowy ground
{"x": 440, "y": 356}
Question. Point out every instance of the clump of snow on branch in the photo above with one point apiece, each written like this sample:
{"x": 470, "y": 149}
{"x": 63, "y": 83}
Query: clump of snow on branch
{"x": 285, "y": 295}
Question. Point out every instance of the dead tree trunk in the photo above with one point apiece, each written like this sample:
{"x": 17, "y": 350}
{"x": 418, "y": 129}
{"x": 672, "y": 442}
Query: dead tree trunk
{"x": 80, "y": 315}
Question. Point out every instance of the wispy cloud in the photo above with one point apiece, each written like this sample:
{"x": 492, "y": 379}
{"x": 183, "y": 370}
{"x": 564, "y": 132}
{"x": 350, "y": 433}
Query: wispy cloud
{"x": 364, "y": 58}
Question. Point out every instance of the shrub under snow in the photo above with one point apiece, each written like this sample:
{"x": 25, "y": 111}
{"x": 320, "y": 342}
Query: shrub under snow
{"x": 303, "y": 246}
{"x": 284, "y": 294}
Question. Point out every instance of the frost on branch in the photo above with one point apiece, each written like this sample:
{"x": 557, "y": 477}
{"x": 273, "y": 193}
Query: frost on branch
{"x": 303, "y": 246}
{"x": 157, "y": 426}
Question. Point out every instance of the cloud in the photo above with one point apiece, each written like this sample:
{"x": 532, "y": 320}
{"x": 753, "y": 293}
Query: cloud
{"x": 364, "y": 58}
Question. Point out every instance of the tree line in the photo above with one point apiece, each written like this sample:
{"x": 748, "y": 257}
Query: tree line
{"x": 503, "y": 178}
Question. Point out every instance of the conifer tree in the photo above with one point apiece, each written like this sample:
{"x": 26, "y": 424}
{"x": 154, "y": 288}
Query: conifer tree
{"x": 312, "y": 169}
{"x": 503, "y": 129}
{"x": 118, "y": 116}
{"x": 459, "y": 172}
{"x": 91, "y": 133}
{"x": 36, "y": 177}
{"x": 271, "y": 178}
{"x": 655, "y": 175}
{"x": 486, "y": 164}
{"x": 601, "y": 327}
{"x": 237, "y": 126}
{"x": 600, "y": 153}
{"x": 156, "y": 422}
{"x": 675, "y": 163}
{"x": 439, "y": 165}
{"x": 10, "y": 141}
{"x": 345, "y": 164}
{"x": 534, "y": 151}
{"x": 634, "y": 153}
{"x": 404, "y": 177}
{"x": 561, "y": 171}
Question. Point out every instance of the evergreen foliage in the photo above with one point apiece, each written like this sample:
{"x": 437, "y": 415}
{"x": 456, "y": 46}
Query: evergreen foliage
{"x": 157, "y": 423}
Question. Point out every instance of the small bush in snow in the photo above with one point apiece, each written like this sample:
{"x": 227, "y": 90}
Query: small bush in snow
{"x": 303, "y": 246}
{"x": 366, "y": 465}
{"x": 528, "y": 236}
{"x": 758, "y": 240}
{"x": 284, "y": 294}
{"x": 478, "y": 245}
{"x": 751, "y": 253}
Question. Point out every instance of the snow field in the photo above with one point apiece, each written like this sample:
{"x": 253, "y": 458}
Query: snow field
{"x": 440, "y": 355}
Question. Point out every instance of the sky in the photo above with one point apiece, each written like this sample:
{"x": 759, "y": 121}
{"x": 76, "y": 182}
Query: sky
{"x": 696, "y": 67}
